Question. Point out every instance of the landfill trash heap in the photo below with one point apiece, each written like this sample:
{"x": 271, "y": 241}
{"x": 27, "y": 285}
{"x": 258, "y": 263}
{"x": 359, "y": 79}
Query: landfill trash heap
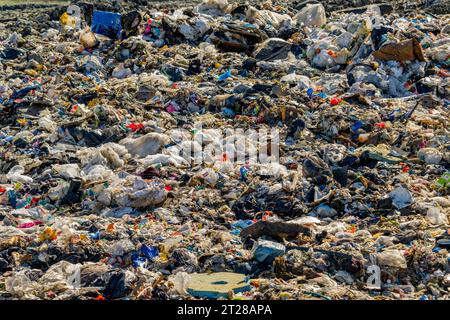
{"x": 100, "y": 196}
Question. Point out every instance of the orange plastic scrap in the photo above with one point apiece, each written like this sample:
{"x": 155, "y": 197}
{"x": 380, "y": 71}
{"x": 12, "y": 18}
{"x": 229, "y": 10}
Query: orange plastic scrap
{"x": 406, "y": 50}
{"x": 110, "y": 228}
{"x": 48, "y": 234}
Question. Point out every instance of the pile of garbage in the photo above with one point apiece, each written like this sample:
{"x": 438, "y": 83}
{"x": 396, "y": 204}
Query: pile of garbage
{"x": 110, "y": 113}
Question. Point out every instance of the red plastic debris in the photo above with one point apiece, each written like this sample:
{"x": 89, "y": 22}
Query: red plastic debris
{"x": 135, "y": 126}
{"x": 335, "y": 101}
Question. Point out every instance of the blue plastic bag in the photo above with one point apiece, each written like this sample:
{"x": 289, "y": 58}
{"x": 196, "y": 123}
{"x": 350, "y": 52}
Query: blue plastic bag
{"x": 149, "y": 252}
{"x": 227, "y": 112}
{"x": 107, "y": 23}
{"x": 357, "y": 125}
{"x": 94, "y": 235}
{"x": 224, "y": 75}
